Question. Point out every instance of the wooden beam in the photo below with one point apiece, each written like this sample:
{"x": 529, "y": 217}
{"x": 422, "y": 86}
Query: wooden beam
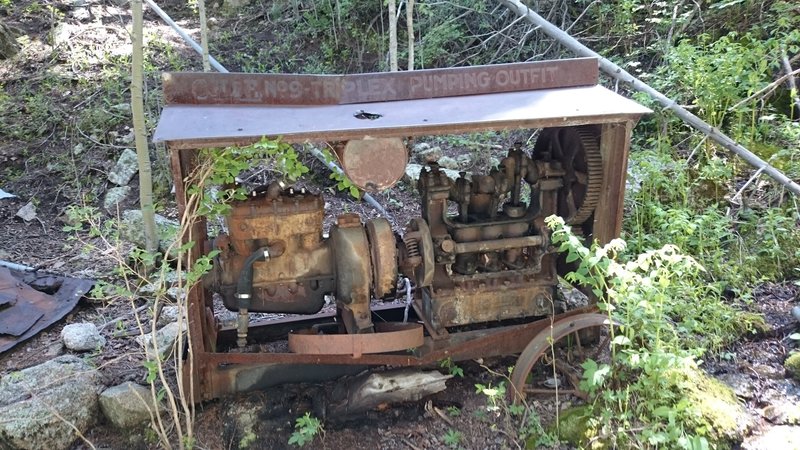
{"x": 614, "y": 146}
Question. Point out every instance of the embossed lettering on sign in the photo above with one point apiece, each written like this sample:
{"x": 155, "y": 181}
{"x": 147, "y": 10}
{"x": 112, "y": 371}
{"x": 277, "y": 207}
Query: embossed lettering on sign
{"x": 358, "y": 88}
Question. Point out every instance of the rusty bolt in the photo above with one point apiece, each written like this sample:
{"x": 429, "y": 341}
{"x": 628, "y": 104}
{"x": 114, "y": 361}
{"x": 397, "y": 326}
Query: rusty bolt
{"x": 448, "y": 246}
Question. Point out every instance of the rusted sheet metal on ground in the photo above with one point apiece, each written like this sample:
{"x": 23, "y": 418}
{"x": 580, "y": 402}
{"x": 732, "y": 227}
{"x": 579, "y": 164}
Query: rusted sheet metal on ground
{"x": 25, "y": 311}
{"x": 190, "y": 88}
{"x": 388, "y": 337}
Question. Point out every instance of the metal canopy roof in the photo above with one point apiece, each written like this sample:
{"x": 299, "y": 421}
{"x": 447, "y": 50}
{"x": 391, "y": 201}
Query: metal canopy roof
{"x": 228, "y": 116}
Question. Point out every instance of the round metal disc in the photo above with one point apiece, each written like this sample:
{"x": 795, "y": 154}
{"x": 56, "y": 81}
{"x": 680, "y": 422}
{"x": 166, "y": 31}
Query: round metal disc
{"x": 373, "y": 164}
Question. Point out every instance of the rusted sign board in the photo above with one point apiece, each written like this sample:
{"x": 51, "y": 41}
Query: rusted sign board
{"x": 294, "y": 89}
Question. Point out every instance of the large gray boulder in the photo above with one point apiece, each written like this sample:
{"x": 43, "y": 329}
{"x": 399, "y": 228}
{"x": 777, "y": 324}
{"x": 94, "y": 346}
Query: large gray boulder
{"x": 128, "y": 405}
{"x": 39, "y": 406}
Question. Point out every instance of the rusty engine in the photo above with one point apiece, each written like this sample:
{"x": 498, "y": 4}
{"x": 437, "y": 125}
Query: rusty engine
{"x": 480, "y": 251}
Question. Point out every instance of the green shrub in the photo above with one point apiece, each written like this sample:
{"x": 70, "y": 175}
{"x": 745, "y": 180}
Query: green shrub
{"x": 668, "y": 315}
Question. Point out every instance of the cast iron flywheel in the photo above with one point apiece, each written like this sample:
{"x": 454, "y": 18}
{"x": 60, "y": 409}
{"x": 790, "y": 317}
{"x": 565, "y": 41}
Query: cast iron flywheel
{"x": 578, "y": 151}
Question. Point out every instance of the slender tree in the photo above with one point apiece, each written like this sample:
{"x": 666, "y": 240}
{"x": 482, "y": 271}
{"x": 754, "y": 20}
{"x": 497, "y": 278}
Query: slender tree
{"x": 410, "y": 30}
{"x": 201, "y": 8}
{"x": 140, "y": 131}
{"x": 392, "y": 35}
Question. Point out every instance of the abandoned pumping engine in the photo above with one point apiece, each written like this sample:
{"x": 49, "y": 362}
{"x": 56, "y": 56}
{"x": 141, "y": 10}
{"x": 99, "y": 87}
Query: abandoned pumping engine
{"x": 490, "y": 260}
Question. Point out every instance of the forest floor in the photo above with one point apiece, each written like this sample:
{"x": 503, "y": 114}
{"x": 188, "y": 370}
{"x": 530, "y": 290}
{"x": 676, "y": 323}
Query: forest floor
{"x": 64, "y": 124}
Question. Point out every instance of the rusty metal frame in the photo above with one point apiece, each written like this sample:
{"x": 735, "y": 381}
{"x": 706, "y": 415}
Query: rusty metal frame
{"x": 563, "y": 326}
{"x": 187, "y": 125}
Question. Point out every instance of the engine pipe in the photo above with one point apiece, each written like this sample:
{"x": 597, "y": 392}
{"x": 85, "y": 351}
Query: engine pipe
{"x": 498, "y": 244}
{"x": 244, "y": 293}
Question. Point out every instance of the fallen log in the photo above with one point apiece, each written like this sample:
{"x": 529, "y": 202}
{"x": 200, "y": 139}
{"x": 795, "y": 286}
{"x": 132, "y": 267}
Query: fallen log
{"x": 622, "y": 75}
{"x": 367, "y": 391}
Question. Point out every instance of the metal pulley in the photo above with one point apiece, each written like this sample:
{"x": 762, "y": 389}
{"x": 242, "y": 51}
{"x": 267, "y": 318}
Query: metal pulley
{"x": 373, "y": 164}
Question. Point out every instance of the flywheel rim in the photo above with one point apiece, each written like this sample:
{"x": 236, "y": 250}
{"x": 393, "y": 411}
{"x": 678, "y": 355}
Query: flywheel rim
{"x": 557, "y": 139}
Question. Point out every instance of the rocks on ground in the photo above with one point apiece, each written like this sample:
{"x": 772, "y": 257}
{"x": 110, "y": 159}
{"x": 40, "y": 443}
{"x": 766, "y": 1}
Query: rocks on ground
{"x": 132, "y": 229}
{"x": 447, "y": 162}
{"x": 429, "y": 155}
{"x": 780, "y": 437}
{"x": 718, "y": 407}
{"x": 8, "y": 41}
{"x": 82, "y": 337}
{"x": 40, "y": 405}
{"x": 128, "y": 405}
{"x": 165, "y": 338}
{"x": 114, "y": 197}
{"x": 27, "y": 212}
{"x": 792, "y": 365}
{"x": 169, "y": 314}
{"x": 413, "y": 171}
{"x": 126, "y": 167}
{"x": 719, "y": 412}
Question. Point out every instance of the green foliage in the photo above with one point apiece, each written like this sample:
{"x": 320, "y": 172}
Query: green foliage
{"x": 519, "y": 422}
{"x": 343, "y": 183}
{"x": 670, "y": 203}
{"x": 152, "y": 370}
{"x": 31, "y": 112}
{"x": 224, "y": 165}
{"x": 495, "y": 395}
{"x": 792, "y": 363}
{"x": 248, "y": 439}
{"x": 451, "y": 367}
{"x": 716, "y": 74}
{"x": 452, "y": 438}
{"x": 668, "y": 315}
{"x": 306, "y": 429}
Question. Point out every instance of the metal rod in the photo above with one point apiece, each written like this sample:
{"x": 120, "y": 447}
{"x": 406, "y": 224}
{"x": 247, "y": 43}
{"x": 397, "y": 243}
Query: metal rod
{"x": 335, "y": 168}
{"x": 214, "y": 63}
{"x": 498, "y": 244}
{"x": 220, "y": 68}
{"x": 17, "y": 267}
{"x": 621, "y": 74}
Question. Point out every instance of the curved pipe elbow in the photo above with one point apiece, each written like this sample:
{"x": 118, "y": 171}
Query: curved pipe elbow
{"x": 244, "y": 288}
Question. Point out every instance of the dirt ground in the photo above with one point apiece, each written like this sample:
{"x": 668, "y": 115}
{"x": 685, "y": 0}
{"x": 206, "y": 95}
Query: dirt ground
{"x": 52, "y": 183}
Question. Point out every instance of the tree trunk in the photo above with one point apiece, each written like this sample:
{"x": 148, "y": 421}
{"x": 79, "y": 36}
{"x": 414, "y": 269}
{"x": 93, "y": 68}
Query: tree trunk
{"x": 201, "y": 8}
{"x": 392, "y": 36}
{"x": 140, "y": 132}
{"x": 410, "y": 30}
